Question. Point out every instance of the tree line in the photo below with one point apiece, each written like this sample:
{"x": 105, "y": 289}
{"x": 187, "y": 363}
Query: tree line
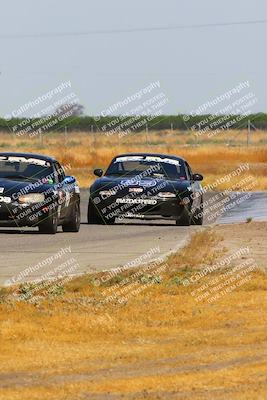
{"x": 162, "y": 122}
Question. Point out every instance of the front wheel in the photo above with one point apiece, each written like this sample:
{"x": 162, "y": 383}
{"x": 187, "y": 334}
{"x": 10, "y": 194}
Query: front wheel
{"x": 198, "y": 216}
{"x": 185, "y": 218}
{"x": 73, "y": 225}
{"x": 49, "y": 224}
{"x": 93, "y": 216}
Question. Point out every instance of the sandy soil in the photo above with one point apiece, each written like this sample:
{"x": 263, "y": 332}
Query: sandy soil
{"x": 252, "y": 235}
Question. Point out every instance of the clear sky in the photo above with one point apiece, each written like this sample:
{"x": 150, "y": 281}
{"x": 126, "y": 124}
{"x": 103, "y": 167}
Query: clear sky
{"x": 192, "y": 65}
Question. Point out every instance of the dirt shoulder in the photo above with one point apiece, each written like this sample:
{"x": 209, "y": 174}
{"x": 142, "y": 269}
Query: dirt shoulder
{"x": 252, "y": 235}
{"x": 165, "y": 340}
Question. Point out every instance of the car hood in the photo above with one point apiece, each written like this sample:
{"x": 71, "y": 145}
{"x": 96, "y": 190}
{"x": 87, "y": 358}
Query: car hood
{"x": 147, "y": 184}
{"x": 8, "y": 187}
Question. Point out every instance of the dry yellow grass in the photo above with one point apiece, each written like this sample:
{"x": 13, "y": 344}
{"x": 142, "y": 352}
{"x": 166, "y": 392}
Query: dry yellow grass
{"x": 161, "y": 344}
{"x": 85, "y": 151}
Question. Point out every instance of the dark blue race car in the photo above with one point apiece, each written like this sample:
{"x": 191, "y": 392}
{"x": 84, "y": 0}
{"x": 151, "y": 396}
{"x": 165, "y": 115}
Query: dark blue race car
{"x": 34, "y": 191}
{"x": 146, "y": 186}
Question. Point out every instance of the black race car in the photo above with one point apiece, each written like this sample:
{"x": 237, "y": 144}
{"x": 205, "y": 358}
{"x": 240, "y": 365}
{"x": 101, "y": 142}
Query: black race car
{"x": 34, "y": 191}
{"x": 146, "y": 186}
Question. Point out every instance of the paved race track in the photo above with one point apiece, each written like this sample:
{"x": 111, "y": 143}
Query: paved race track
{"x": 104, "y": 247}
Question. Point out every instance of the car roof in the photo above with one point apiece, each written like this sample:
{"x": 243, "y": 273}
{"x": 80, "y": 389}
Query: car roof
{"x": 28, "y": 155}
{"x": 151, "y": 154}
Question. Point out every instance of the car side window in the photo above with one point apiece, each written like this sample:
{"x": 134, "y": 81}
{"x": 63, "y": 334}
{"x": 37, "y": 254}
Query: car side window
{"x": 188, "y": 171}
{"x": 60, "y": 174}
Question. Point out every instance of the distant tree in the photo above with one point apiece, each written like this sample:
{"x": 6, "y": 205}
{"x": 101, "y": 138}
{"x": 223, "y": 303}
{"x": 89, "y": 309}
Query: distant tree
{"x": 74, "y": 110}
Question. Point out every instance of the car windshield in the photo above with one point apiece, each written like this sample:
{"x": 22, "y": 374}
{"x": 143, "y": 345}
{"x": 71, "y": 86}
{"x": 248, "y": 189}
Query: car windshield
{"x": 20, "y": 168}
{"x": 159, "y": 167}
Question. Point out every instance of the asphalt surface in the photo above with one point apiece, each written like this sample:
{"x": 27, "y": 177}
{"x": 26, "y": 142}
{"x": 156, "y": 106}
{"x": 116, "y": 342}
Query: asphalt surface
{"x": 28, "y": 255}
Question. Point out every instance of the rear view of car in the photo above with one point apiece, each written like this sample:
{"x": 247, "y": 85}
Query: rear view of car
{"x": 35, "y": 192}
{"x": 146, "y": 186}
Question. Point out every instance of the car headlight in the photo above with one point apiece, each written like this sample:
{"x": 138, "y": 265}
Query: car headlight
{"x": 32, "y": 198}
{"x": 166, "y": 194}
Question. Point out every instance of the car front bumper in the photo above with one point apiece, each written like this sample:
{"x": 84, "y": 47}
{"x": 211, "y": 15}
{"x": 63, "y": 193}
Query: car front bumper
{"x": 141, "y": 208}
{"x": 14, "y": 215}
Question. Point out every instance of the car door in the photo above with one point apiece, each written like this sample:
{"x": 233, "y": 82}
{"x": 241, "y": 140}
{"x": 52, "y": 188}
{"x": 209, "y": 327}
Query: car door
{"x": 196, "y": 188}
{"x": 64, "y": 194}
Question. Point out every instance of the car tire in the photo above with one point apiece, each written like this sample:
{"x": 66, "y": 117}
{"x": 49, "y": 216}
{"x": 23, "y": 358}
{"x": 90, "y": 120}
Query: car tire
{"x": 198, "y": 214}
{"x": 198, "y": 217}
{"x": 110, "y": 221}
{"x": 73, "y": 225}
{"x": 49, "y": 224}
{"x": 93, "y": 216}
{"x": 185, "y": 218}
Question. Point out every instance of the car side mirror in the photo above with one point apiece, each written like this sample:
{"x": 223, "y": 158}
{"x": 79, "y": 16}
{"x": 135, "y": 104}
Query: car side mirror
{"x": 98, "y": 172}
{"x": 197, "y": 177}
{"x": 68, "y": 180}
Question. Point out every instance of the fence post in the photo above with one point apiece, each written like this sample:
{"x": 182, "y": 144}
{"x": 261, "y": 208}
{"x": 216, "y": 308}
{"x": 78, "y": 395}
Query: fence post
{"x": 65, "y": 135}
{"x": 248, "y": 133}
{"x": 41, "y": 139}
{"x": 146, "y": 134}
{"x": 93, "y": 139}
